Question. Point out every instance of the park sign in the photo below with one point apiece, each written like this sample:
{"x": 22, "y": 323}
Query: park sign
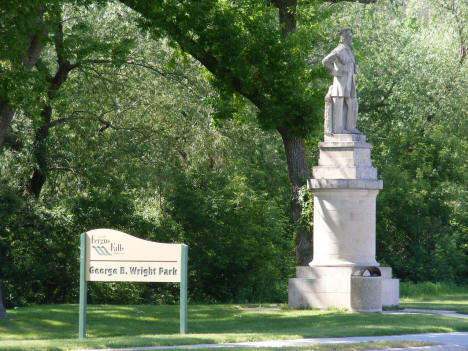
{"x": 114, "y": 256}
{"x": 111, "y": 256}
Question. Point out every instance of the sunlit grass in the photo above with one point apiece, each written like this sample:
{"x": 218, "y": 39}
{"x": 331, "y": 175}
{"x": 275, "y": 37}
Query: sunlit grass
{"x": 55, "y": 327}
{"x": 452, "y": 304}
{"x": 437, "y": 296}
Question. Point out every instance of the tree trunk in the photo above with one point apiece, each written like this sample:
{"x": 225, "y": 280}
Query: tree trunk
{"x": 294, "y": 148}
{"x": 3, "y": 313}
{"x": 6, "y": 115}
{"x": 287, "y": 9}
{"x": 39, "y": 175}
{"x": 30, "y": 58}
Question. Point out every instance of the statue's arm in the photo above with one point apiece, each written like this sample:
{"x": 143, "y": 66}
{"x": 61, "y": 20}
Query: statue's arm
{"x": 328, "y": 62}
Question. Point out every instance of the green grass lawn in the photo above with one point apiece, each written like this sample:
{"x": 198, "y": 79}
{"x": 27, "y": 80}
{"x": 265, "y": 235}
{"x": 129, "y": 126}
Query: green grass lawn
{"x": 435, "y": 296}
{"x": 55, "y": 327}
{"x": 454, "y": 303}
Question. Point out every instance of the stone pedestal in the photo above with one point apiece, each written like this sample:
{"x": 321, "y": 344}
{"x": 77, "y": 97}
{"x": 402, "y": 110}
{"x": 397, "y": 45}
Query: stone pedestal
{"x": 344, "y": 272}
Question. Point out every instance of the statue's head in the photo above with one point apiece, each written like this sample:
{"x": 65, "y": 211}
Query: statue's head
{"x": 345, "y": 36}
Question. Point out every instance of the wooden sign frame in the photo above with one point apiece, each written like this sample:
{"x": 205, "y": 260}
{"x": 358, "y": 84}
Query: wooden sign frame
{"x": 113, "y": 274}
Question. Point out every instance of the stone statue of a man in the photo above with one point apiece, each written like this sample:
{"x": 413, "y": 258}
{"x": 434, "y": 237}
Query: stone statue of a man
{"x": 341, "y": 107}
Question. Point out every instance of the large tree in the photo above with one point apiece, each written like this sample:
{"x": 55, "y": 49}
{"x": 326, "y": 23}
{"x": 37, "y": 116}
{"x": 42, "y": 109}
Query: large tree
{"x": 255, "y": 51}
{"x": 23, "y": 29}
{"x": 128, "y": 142}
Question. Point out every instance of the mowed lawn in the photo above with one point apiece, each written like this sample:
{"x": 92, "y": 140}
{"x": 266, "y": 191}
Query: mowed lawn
{"x": 56, "y": 326}
{"x": 454, "y": 303}
{"x": 434, "y": 296}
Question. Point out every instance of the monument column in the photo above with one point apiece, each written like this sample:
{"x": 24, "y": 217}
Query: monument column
{"x": 345, "y": 188}
{"x": 344, "y": 272}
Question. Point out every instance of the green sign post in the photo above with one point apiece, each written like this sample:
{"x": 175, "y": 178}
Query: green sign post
{"x": 183, "y": 289}
{"x": 110, "y": 255}
{"x": 83, "y": 289}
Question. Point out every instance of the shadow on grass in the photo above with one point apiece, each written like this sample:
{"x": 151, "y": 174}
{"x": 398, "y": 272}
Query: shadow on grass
{"x": 61, "y": 322}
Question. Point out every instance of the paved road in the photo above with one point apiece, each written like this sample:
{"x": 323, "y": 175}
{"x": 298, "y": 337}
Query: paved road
{"x": 428, "y": 348}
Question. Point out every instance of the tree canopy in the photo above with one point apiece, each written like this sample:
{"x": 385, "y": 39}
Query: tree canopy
{"x": 180, "y": 121}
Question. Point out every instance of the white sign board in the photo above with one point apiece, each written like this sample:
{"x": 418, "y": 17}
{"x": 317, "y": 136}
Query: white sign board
{"x": 114, "y": 256}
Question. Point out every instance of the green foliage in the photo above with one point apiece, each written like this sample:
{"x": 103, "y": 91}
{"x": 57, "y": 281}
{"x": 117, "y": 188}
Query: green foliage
{"x": 232, "y": 232}
{"x": 242, "y": 47}
{"x": 19, "y": 83}
{"x": 38, "y": 246}
{"x": 413, "y": 93}
{"x": 133, "y": 147}
{"x": 145, "y": 140}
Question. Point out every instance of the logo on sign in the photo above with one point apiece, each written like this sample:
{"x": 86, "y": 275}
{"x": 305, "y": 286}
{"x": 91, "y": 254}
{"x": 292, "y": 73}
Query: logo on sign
{"x": 102, "y": 251}
{"x": 106, "y": 247}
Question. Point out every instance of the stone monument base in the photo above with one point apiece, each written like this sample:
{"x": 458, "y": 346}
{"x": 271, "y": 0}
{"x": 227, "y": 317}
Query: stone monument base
{"x": 350, "y": 287}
